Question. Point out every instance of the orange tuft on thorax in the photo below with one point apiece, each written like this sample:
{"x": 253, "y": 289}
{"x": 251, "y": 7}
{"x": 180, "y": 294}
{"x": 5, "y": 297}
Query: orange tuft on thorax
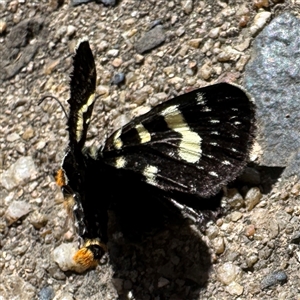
{"x": 60, "y": 178}
{"x": 85, "y": 257}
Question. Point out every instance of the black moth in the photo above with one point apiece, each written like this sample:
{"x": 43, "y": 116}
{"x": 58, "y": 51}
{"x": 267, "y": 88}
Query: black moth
{"x": 182, "y": 151}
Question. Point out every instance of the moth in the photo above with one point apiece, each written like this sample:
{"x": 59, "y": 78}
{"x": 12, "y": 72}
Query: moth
{"x": 182, "y": 151}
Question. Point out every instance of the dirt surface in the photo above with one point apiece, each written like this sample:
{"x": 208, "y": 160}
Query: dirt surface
{"x": 204, "y": 42}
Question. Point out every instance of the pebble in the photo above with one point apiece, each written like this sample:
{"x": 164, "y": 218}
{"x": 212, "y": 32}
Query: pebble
{"x": 102, "y": 46}
{"x": 250, "y": 230}
{"x": 243, "y": 45}
{"x": 46, "y": 293}
{"x": 228, "y": 273}
{"x": 214, "y": 33}
{"x": 183, "y": 50}
{"x": 63, "y": 256}
{"x": 38, "y": 220}
{"x": 243, "y": 22}
{"x": 218, "y": 245}
{"x": 117, "y": 62}
{"x": 112, "y": 52}
{"x": 212, "y": 231}
{"x": 139, "y": 58}
{"x": 206, "y": 71}
{"x": 180, "y": 31}
{"x": 235, "y": 216}
{"x": 102, "y": 90}
{"x": 41, "y": 145}
{"x": 170, "y": 70}
{"x": 3, "y": 26}
{"x": 187, "y": 6}
{"x": 28, "y": 133}
{"x": 162, "y": 282}
{"x": 51, "y": 66}
{"x": 252, "y": 198}
{"x": 195, "y": 43}
{"x": 17, "y": 210}
{"x": 192, "y": 68}
{"x": 175, "y": 80}
{"x": 118, "y": 79}
{"x": 71, "y": 30}
{"x": 241, "y": 64}
{"x": 235, "y": 288}
{"x": 151, "y": 39}
{"x": 278, "y": 277}
{"x": 259, "y": 22}
{"x": 228, "y": 54}
{"x": 18, "y": 172}
{"x": 260, "y": 3}
{"x": 251, "y": 260}
{"x": 12, "y": 137}
{"x": 234, "y": 198}
{"x": 131, "y": 77}
{"x": 64, "y": 296}
{"x": 155, "y": 23}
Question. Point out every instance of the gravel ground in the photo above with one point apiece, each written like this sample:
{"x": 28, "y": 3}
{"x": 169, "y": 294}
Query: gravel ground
{"x": 252, "y": 252}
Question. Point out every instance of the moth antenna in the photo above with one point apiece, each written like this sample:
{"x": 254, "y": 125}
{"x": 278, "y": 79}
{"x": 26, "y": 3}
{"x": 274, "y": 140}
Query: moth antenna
{"x": 52, "y": 97}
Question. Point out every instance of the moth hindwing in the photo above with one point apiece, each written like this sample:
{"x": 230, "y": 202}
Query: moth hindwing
{"x": 188, "y": 147}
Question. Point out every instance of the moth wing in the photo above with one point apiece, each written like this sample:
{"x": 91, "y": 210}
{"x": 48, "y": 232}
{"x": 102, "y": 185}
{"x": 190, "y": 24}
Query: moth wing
{"x": 81, "y": 102}
{"x": 194, "y": 143}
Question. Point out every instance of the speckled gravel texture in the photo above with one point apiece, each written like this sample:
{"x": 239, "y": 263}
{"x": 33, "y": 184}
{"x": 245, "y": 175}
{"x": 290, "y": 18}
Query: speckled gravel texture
{"x": 251, "y": 252}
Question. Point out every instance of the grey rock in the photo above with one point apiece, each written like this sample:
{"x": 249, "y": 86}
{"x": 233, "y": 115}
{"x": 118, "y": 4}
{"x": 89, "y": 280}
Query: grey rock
{"x": 151, "y": 39}
{"x": 118, "y": 79}
{"x": 107, "y": 2}
{"x": 78, "y": 2}
{"x": 278, "y": 277}
{"x": 46, "y": 293}
{"x": 18, "y": 42}
{"x": 272, "y": 77}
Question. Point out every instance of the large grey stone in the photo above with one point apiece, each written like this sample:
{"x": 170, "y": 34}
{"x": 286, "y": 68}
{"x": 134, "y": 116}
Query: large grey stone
{"x": 273, "y": 78}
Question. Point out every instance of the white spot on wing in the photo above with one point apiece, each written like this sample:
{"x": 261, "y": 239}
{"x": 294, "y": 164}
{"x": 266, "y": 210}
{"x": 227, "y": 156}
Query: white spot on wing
{"x": 200, "y": 99}
{"x": 214, "y": 121}
{"x": 206, "y": 109}
{"x": 118, "y": 144}
{"x": 189, "y": 148}
{"x": 80, "y": 120}
{"x": 150, "y": 173}
{"x": 226, "y": 162}
{"x": 213, "y": 174}
{"x": 143, "y": 133}
{"x": 120, "y": 162}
